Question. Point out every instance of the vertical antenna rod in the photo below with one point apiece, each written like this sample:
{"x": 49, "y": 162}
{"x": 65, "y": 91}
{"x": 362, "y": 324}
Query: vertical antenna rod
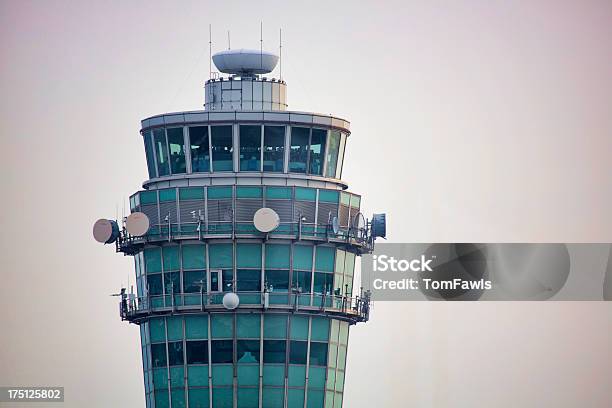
{"x": 261, "y": 44}
{"x": 229, "y": 45}
{"x": 280, "y": 52}
{"x": 209, "y": 51}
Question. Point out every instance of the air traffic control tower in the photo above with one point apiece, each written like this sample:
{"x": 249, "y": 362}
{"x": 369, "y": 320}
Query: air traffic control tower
{"x": 245, "y": 240}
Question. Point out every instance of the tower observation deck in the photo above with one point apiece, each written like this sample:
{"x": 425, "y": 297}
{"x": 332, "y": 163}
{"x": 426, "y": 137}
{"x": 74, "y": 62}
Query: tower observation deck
{"x": 244, "y": 239}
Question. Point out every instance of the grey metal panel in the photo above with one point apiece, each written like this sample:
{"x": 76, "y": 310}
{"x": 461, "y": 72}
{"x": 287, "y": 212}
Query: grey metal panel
{"x": 338, "y": 122}
{"x": 249, "y": 115}
{"x": 246, "y": 208}
{"x": 221, "y": 116}
{"x": 172, "y": 119}
{"x": 321, "y": 120}
{"x": 324, "y": 210}
{"x": 220, "y": 210}
{"x": 284, "y": 209}
{"x": 278, "y": 117}
{"x": 145, "y": 123}
{"x": 187, "y": 206}
{"x": 150, "y": 210}
{"x": 306, "y": 208}
{"x": 168, "y": 208}
{"x": 301, "y": 118}
{"x": 196, "y": 117}
{"x": 157, "y": 120}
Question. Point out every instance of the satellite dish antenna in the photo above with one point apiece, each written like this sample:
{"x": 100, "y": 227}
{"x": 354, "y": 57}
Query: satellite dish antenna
{"x": 231, "y": 301}
{"x": 266, "y": 220}
{"x": 359, "y": 224}
{"x": 137, "y": 224}
{"x": 105, "y": 231}
{"x": 335, "y": 225}
{"x": 379, "y": 225}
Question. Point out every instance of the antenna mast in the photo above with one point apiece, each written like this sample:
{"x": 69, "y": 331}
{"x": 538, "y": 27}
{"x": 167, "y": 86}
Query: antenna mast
{"x": 261, "y": 44}
{"x": 229, "y": 44}
{"x": 209, "y": 51}
{"x": 280, "y": 51}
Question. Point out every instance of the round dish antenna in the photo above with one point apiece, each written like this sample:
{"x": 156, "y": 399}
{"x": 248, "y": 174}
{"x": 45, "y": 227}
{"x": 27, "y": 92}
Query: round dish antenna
{"x": 335, "y": 224}
{"x": 245, "y": 62}
{"x": 266, "y": 220}
{"x": 105, "y": 231}
{"x": 231, "y": 301}
{"x": 137, "y": 224}
{"x": 359, "y": 225}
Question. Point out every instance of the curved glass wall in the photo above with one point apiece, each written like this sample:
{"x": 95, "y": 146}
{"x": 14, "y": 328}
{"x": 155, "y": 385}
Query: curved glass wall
{"x": 223, "y": 359}
{"x": 259, "y": 148}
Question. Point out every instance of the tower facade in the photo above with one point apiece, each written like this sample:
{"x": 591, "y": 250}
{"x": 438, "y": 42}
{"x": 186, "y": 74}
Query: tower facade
{"x": 245, "y": 240}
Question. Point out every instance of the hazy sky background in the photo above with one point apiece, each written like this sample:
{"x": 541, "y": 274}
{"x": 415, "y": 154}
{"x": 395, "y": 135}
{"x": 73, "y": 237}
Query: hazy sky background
{"x": 473, "y": 121}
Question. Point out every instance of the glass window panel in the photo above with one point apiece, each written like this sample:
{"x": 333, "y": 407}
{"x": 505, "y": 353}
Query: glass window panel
{"x": 248, "y": 192}
{"x": 339, "y": 380}
{"x": 277, "y": 256}
{"x": 199, "y": 397}
{"x": 157, "y": 328}
{"x": 277, "y": 281}
{"x": 274, "y": 351}
{"x": 329, "y": 196}
{"x": 278, "y": 193}
{"x": 178, "y": 398}
{"x": 324, "y": 259}
{"x": 228, "y": 278}
{"x": 162, "y": 399}
{"x": 295, "y": 398}
{"x": 319, "y": 329}
{"x": 275, "y": 327}
{"x": 221, "y": 255}
{"x": 196, "y": 327}
{"x": 191, "y": 193}
{"x": 305, "y": 194}
{"x": 223, "y": 398}
{"x": 318, "y": 353}
{"x": 335, "y": 330}
{"x": 222, "y": 326}
{"x": 248, "y": 255}
{"x": 344, "y": 331}
{"x": 332, "y": 153}
{"x": 160, "y": 378}
{"x": 273, "y": 374}
{"x": 219, "y": 192}
{"x": 297, "y": 352}
{"x": 148, "y": 197}
{"x": 323, "y": 283}
{"x": 250, "y": 148}
{"x": 172, "y": 283}
{"x": 167, "y": 194}
{"x": 177, "y": 377}
{"x": 273, "y": 397}
{"x": 176, "y": 143}
{"x": 302, "y": 257}
{"x": 316, "y": 377}
{"x": 175, "y": 327}
{"x": 274, "y": 148}
{"x": 200, "y": 155}
{"x": 338, "y": 400}
{"x": 248, "y": 397}
{"x": 222, "y": 148}
{"x": 222, "y": 374}
{"x": 302, "y": 281}
{"x": 197, "y": 352}
{"x": 248, "y": 280}
{"x": 194, "y": 256}
{"x": 193, "y": 281}
{"x": 149, "y": 153}
{"x": 315, "y": 399}
{"x": 153, "y": 259}
{"x": 341, "y": 356}
{"x": 345, "y": 198}
{"x": 331, "y": 378}
{"x": 155, "y": 284}
{"x": 175, "y": 353}
{"x": 171, "y": 258}
{"x": 158, "y": 355}
{"x": 221, "y": 351}
{"x": 248, "y": 325}
{"x": 298, "y": 155}
{"x": 197, "y": 375}
{"x": 299, "y": 327}
{"x": 247, "y": 351}
{"x": 159, "y": 140}
{"x": 317, "y": 149}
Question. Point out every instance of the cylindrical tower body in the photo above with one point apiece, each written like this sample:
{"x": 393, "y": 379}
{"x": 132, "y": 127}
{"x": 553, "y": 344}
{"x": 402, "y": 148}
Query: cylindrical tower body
{"x": 285, "y": 343}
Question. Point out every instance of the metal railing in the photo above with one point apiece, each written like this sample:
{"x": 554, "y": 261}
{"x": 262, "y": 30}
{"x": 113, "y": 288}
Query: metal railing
{"x": 355, "y": 309}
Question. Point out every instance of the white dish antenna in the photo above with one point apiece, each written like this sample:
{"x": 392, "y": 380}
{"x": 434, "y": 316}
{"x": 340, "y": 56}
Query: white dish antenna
{"x": 137, "y": 224}
{"x": 231, "y": 301}
{"x": 335, "y": 225}
{"x": 105, "y": 231}
{"x": 266, "y": 220}
{"x": 245, "y": 62}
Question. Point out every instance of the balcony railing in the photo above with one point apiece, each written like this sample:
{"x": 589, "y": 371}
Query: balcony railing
{"x": 353, "y": 309}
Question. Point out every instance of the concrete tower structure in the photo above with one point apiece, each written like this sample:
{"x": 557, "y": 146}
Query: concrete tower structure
{"x": 245, "y": 240}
